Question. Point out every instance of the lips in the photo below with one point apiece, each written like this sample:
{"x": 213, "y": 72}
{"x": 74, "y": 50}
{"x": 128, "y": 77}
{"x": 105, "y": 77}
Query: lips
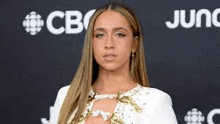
{"x": 109, "y": 56}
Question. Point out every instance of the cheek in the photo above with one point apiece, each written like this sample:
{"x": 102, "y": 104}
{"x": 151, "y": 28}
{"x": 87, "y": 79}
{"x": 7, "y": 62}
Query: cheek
{"x": 97, "y": 50}
{"x": 125, "y": 47}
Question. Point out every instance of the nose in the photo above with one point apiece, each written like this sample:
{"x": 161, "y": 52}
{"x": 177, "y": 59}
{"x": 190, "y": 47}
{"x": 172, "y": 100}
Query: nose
{"x": 109, "y": 43}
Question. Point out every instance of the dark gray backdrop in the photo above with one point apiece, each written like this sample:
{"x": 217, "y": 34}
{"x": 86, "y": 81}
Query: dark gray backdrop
{"x": 184, "y": 62}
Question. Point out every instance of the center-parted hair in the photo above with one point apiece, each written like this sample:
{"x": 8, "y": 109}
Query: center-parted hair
{"x": 87, "y": 72}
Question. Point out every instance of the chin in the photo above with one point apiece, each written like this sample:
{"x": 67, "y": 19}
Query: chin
{"x": 110, "y": 67}
{"x": 114, "y": 68}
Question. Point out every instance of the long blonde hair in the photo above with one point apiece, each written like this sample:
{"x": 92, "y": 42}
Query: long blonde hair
{"x": 87, "y": 71}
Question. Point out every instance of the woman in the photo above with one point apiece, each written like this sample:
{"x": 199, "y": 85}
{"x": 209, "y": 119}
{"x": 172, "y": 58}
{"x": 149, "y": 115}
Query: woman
{"x": 111, "y": 84}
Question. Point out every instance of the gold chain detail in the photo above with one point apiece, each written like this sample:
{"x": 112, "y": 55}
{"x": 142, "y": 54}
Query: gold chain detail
{"x": 115, "y": 120}
{"x": 91, "y": 98}
{"x": 129, "y": 100}
{"x": 82, "y": 117}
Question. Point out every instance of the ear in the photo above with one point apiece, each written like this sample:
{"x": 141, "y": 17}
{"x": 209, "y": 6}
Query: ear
{"x": 135, "y": 44}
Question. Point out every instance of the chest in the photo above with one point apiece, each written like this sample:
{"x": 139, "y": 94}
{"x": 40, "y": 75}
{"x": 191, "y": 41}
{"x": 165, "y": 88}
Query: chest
{"x": 127, "y": 108}
{"x": 113, "y": 111}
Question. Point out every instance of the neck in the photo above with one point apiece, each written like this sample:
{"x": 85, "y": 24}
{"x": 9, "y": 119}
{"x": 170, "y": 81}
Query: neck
{"x": 110, "y": 82}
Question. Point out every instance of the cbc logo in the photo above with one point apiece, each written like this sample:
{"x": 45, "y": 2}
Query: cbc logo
{"x": 195, "y": 18}
{"x": 195, "y": 116}
{"x": 33, "y": 22}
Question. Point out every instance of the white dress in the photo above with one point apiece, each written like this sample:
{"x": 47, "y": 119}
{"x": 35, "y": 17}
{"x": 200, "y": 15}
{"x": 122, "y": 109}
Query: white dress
{"x": 155, "y": 107}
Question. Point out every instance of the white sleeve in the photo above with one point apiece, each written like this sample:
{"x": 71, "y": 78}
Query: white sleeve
{"x": 164, "y": 113}
{"x": 55, "y": 110}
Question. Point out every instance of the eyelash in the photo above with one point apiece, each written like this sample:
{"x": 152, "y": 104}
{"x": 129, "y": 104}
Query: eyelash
{"x": 120, "y": 34}
{"x": 99, "y": 35}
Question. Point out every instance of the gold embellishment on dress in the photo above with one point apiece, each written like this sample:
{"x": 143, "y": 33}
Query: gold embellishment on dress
{"x": 129, "y": 100}
{"x": 91, "y": 98}
{"x": 82, "y": 117}
{"x": 115, "y": 120}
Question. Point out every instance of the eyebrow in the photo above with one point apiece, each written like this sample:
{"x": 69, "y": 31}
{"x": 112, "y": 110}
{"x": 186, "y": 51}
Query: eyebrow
{"x": 114, "y": 29}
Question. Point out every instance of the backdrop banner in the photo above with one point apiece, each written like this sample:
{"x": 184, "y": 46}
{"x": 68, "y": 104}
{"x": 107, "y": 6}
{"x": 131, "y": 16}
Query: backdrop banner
{"x": 41, "y": 45}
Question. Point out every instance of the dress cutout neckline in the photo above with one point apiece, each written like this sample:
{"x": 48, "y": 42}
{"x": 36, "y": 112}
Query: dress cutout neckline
{"x": 118, "y": 104}
{"x": 92, "y": 92}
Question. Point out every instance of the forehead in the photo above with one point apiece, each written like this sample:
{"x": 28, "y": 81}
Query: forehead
{"x": 111, "y": 19}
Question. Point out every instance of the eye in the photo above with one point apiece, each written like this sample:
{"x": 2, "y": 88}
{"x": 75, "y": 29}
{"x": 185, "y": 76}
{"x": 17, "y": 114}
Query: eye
{"x": 119, "y": 34}
{"x": 99, "y": 35}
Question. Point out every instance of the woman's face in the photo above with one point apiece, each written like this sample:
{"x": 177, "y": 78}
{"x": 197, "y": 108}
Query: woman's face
{"x": 113, "y": 41}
